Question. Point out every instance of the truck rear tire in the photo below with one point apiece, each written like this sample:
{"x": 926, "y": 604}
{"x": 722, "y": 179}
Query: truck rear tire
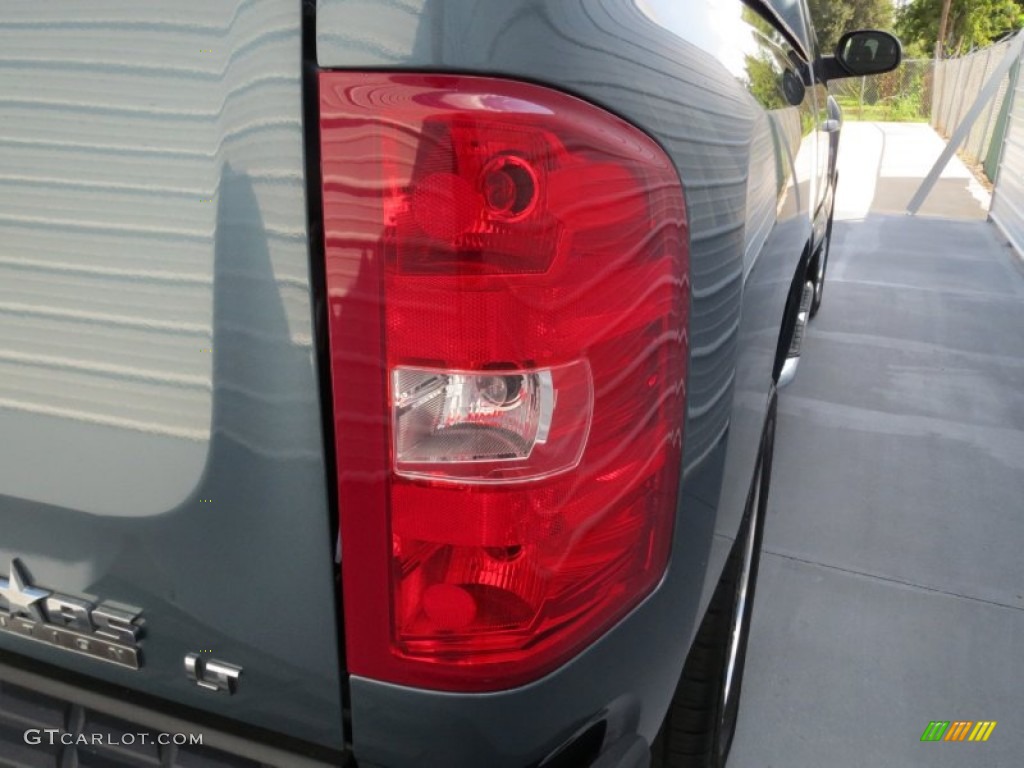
{"x": 699, "y": 726}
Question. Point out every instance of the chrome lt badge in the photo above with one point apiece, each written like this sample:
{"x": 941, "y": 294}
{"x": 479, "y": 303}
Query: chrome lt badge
{"x": 103, "y": 632}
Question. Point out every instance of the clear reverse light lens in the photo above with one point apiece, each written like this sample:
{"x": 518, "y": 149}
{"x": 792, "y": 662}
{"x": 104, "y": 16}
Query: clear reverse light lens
{"x": 443, "y": 419}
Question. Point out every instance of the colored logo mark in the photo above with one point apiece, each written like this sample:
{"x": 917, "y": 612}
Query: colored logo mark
{"x": 958, "y": 730}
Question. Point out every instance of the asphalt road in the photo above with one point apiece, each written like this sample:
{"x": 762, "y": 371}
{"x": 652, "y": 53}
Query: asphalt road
{"x": 891, "y": 590}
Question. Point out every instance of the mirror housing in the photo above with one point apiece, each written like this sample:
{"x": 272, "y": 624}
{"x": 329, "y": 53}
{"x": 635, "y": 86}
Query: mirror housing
{"x": 864, "y": 52}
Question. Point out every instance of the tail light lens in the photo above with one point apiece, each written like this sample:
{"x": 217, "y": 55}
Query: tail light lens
{"x": 507, "y": 273}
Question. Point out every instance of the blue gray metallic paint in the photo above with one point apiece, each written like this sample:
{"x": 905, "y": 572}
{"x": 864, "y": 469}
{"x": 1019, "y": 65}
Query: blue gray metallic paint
{"x": 670, "y": 69}
{"x": 152, "y": 208}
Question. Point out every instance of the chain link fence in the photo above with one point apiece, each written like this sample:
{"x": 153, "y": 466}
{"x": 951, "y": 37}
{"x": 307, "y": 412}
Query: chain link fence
{"x": 904, "y": 95}
{"x": 957, "y": 83}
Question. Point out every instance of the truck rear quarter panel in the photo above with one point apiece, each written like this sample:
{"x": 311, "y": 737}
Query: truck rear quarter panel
{"x": 679, "y": 73}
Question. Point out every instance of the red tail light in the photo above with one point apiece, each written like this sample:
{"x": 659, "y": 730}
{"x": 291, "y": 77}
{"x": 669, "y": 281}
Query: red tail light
{"x": 507, "y": 275}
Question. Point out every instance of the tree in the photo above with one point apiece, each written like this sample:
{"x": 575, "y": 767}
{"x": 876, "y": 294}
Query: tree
{"x": 943, "y": 26}
{"x": 971, "y": 24}
{"x": 832, "y": 18}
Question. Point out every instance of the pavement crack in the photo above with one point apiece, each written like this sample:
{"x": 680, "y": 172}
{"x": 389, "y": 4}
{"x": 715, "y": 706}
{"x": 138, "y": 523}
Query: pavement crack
{"x": 891, "y": 580}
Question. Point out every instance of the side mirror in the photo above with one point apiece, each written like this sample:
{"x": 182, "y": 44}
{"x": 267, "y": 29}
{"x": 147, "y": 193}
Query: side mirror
{"x": 868, "y": 52}
{"x": 864, "y": 52}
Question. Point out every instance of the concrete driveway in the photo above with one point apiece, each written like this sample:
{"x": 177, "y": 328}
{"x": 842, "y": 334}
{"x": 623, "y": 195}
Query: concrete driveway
{"x": 891, "y": 591}
{"x": 881, "y": 165}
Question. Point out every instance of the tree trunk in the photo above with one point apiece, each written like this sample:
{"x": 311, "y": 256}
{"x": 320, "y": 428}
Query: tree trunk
{"x": 943, "y": 20}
